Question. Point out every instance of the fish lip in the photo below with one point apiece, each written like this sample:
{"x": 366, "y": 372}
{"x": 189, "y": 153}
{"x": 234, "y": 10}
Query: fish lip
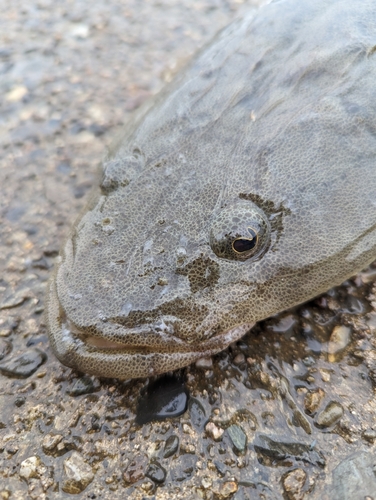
{"x": 132, "y": 343}
{"x": 161, "y": 343}
{"x": 131, "y": 360}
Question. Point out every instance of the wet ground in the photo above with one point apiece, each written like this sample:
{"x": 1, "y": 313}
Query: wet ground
{"x": 286, "y": 413}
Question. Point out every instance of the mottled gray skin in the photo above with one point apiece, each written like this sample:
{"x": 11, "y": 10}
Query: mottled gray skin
{"x": 272, "y": 127}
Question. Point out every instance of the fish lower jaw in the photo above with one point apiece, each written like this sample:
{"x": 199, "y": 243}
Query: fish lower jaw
{"x": 104, "y": 357}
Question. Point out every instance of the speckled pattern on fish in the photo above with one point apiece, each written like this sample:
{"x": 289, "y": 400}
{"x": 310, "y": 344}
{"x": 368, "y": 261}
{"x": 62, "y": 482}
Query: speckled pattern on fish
{"x": 246, "y": 187}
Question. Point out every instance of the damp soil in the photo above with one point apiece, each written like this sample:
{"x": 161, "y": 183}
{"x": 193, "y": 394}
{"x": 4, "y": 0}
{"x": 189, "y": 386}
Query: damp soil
{"x": 288, "y": 412}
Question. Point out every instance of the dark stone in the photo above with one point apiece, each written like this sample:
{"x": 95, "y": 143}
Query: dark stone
{"x": 281, "y": 453}
{"x": 84, "y": 385}
{"x": 171, "y": 446}
{"x": 331, "y": 414}
{"x": 238, "y": 439}
{"x": 5, "y": 347}
{"x": 20, "y": 401}
{"x": 41, "y": 339}
{"x": 156, "y": 472}
{"x": 24, "y": 365}
{"x": 13, "y": 300}
{"x": 41, "y": 263}
{"x": 197, "y": 413}
{"x": 165, "y": 398}
{"x": 221, "y": 468}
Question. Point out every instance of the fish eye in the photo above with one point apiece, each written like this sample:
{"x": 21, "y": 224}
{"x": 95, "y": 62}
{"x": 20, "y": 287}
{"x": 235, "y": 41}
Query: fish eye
{"x": 240, "y": 231}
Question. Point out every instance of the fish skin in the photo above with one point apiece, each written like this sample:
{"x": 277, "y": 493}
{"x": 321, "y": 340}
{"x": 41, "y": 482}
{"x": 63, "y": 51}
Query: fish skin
{"x": 272, "y": 127}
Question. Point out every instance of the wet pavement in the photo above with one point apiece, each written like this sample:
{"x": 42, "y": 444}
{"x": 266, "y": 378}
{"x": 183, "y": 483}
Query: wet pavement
{"x": 286, "y": 413}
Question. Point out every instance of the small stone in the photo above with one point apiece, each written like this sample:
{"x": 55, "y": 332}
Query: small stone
{"x": 171, "y": 446}
{"x": 13, "y": 300}
{"x": 165, "y": 398}
{"x": 238, "y": 438}
{"x": 225, "y": 490}
{"x": 239, "y": 359}
{"x": 16, "y": 94}
{"x": 24, "y": 365}
{"x": 156, "y": 472}
{"x": 221, "y": 468}
{"x": 84, "y": 385}
{"x": 325, "y": 375}
{"x": 293, "y": 483}
{"x": 77, "y": 474}
{"x": 80, "y": 31}
{"x": 206, "y": 363}
{"x": 135, "y": 470}
{"x": 313, "y": 400}
{"x": 339, "y": 339}
{"x": 369, "y": 435}
{"x": 28, "y": 468}
{"x": 197, "y": 414}
{"x": 5, "y": 347}
{"x": 213, "y": 431}
{"x": 206, "y": 482}
{"x": 276, "y": 452}
{"x": 331, "y": 414}
{"x": 50, "y": 442}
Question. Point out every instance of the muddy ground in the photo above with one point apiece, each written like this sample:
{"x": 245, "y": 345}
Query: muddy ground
{"x": 286, "y": 413}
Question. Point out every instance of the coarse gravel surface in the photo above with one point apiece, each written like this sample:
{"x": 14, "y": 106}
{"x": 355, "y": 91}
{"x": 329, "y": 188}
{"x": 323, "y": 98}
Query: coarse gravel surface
{"x": 287, "y": 413}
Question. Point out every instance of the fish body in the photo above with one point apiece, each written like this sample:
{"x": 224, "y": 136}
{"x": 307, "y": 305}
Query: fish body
{"x": 246, "y": 187}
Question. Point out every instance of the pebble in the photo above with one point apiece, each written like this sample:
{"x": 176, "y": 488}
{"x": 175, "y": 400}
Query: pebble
{"x": 369, "y": 435}
{"x": 165, "y": 398}
{"x": 171, "y": 446}
{"x": 16, "y": 94}
{"x": 313, "y": 400}
{"x": 213, "y": 431}
{"x": 221, "y": 468}
{"x": 206, "y": 363}
{"x": 238, "y": 439}
{"x": 275, "y": 450}
{"x": 197, "y": 413}
{"x": 84, "y": 385}
{"x": 226, "y": 489}
{"x": 5, "y": 347}
{"x": 135, "y": 470}
{"x": 7, "y": 326}
{"x": 29, "y": 467}
{"x": 293, "y": 483}
{"x": 206, "y": 482}
{"x": 331, "y": 414}
{"x": 156, "y": 472}
{"x": 239, "y": 359}
{"x": 24, "y": 365}
{"x": 339, "y": 339}
{"x": 77, "y": 474}
{"x": 50, "y": 441}
{"x": 13, "y": 300}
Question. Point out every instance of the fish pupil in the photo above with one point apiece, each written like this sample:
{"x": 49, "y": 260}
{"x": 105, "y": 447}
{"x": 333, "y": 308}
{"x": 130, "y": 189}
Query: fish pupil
{"x": 244, "y": 244}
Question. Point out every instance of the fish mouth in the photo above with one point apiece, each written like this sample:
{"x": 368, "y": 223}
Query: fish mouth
{"x": 125, "y": 353}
